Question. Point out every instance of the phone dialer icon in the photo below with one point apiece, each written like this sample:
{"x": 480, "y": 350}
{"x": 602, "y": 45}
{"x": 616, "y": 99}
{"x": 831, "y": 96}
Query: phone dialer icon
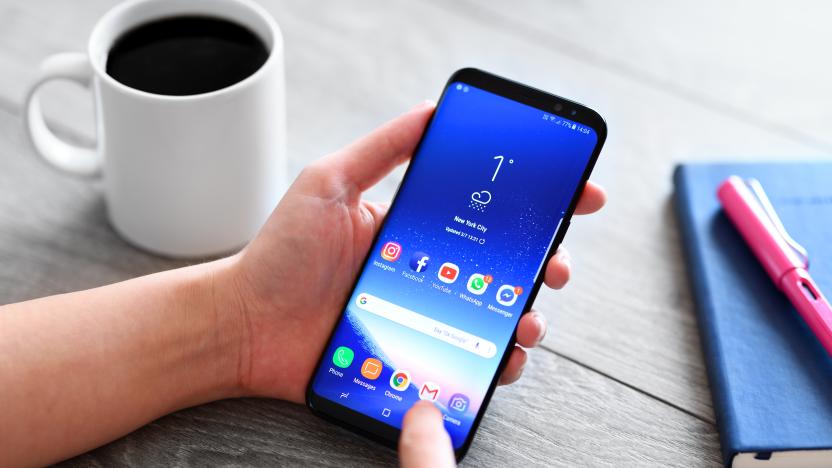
{"x": 342, "y": 357}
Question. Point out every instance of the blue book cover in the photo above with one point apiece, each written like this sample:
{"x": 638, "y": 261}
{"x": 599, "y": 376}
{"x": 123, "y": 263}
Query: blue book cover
{"x": 770, "y": 379}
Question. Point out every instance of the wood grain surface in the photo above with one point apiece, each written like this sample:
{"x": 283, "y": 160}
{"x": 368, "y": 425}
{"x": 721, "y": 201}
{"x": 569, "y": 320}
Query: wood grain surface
{"x": 620, "y": 379}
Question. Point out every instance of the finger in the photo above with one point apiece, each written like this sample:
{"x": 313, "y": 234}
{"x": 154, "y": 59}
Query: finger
{"x": 531, "y": 329}
{"x": 366, "y": 161}
{"x": 592, "y": 199}
{"x": 424, "y": 442}
{"x": 558, "y": 269}
{"x": 514, "y": 368}
{"x": 378, "y": 210}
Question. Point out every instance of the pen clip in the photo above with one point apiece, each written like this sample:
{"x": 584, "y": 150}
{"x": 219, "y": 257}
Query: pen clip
{"x": 761, "y": 197}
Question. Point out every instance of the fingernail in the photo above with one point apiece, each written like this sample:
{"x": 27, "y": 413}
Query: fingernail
{"x": 522, "y": 368}
{"x": 543, "y": 327}
{"x": 565, "y": 258}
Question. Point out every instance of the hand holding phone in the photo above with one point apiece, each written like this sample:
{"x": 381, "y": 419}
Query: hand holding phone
{"x": 466, "y": 245}
{"x": 250, "y": 324}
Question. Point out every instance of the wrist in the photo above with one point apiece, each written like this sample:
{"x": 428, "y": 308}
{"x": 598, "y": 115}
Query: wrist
{"x": 206, "y": 330}
{"x": 225, "y": 310}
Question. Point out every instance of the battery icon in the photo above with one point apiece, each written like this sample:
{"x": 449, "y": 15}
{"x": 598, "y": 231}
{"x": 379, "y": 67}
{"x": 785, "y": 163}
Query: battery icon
{"x": 574, "y": 126}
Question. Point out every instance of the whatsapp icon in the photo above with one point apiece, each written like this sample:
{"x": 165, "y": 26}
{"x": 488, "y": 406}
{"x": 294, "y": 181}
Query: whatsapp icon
{"x": 477, "y": 283}
{"x": 343, "y": 357}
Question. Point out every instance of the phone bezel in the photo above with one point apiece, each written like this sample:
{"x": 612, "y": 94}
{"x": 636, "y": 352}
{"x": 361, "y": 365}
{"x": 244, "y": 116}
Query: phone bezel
{"x": 384, "y": 433}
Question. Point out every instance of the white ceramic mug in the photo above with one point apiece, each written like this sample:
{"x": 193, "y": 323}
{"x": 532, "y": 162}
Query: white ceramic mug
{"x": 184, "y": 176}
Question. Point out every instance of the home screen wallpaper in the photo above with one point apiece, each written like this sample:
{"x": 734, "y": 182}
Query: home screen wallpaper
{"x": 449, "y": 276}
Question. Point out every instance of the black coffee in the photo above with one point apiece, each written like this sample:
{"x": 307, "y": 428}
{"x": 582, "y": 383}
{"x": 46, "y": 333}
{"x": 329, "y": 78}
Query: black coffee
{"x": 185, "y": 55}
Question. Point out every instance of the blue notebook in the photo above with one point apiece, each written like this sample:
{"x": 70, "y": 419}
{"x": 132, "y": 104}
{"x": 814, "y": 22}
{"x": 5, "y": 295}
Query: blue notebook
{"x": 771, "y": 381}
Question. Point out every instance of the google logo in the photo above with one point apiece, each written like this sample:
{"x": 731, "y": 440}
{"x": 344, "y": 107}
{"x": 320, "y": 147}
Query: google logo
{"x": 362, "y": 300}
{"x": 400, "y": 380}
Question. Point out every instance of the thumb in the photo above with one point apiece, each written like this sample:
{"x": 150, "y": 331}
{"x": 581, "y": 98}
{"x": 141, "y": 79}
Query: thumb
{"x": 424, "y": 441}
{"x": 366, "y": 161}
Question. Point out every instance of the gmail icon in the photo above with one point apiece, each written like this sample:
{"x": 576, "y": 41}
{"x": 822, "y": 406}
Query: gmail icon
{"x": 429, "y": 391}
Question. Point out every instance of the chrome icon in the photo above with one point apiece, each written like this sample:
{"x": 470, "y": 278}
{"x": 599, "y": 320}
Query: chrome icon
{"x": 400, "y": 380}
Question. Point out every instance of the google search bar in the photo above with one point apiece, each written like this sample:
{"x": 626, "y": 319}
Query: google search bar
{"x": 428, "y": 326}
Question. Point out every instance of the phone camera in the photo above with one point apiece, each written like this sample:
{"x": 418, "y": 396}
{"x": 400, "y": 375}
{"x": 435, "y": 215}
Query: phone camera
{"x": 558, "y": 107}
{"x": 573, "y": 112}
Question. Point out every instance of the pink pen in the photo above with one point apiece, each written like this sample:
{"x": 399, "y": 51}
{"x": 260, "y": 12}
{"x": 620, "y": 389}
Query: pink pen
{"x": 784, "y": 260}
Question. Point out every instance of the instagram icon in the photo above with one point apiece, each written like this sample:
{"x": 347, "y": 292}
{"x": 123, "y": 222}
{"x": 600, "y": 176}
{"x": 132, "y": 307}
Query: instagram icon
{"x": 391, "y": 251}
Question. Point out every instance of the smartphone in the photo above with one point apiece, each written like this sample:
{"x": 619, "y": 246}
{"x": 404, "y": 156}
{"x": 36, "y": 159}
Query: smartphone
{"x": 483, "y": 205}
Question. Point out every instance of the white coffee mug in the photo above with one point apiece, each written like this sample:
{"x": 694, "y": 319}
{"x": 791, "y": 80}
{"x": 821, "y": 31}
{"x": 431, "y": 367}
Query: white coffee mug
{"x": 184, "y": 176}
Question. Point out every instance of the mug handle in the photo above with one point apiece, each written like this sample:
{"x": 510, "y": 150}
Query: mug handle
{"x": 72, "y": 66}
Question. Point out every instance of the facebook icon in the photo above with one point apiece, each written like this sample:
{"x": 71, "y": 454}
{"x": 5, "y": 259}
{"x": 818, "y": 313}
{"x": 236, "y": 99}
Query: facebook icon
{"x": 419, "y": 261}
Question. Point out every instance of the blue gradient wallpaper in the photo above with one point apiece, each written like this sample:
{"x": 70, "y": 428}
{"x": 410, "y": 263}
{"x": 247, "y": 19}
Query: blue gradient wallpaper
{"x": 484, "y": 196}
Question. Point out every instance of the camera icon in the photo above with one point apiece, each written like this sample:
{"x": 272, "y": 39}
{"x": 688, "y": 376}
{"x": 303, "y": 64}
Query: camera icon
{"x": 458, "y": 403}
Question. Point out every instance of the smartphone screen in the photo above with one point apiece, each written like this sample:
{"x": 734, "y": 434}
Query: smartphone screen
{"x": 459, "y": 257}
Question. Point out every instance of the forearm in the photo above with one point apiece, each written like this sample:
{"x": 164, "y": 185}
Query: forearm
{"x": 80, "y": 369}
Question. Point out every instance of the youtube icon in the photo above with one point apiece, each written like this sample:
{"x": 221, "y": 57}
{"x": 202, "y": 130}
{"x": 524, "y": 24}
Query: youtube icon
{"x": 448, "y": 272}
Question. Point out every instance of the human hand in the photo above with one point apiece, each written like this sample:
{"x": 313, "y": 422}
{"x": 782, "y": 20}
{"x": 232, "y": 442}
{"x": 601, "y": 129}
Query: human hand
{"x": 288, "y": 286}
{"x": 251, "y": 324}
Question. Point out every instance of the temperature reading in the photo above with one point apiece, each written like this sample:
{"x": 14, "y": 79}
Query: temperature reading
{"x": 500, "y": 160}
{"x": 481, "y": 198}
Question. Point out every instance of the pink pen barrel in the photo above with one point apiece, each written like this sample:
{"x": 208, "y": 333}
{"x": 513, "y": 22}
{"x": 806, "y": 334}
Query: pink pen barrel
{"x": 757, "y": 229}
{"x": 780, "y": 261}
{"x": 810, "y": 304}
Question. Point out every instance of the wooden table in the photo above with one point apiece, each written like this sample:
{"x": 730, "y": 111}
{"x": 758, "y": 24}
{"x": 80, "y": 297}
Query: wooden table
{"x": 619, "y": 380}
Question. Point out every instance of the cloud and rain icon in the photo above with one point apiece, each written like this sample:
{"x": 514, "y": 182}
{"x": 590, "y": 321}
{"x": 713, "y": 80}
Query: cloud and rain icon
{"x": 479, "y": 200}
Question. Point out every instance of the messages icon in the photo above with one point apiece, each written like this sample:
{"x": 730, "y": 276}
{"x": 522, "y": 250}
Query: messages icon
{"x": 371, "y": 369}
